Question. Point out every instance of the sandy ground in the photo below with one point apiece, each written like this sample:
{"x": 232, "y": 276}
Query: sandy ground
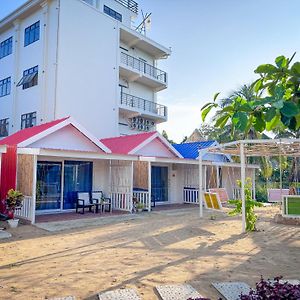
{"x": 160, "y": 248}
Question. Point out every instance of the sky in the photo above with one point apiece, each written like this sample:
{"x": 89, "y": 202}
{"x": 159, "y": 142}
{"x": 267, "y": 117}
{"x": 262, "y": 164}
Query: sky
{"x": 216, "y": 45}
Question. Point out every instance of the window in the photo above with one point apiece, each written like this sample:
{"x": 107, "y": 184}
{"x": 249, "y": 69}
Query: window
{"x": 30, "y": 78}
{"x": 5, "y": 86}
{"x": 32, "y": 34}
{"x": 6, "y": 48}
{"x": 28, "y": 120}
{"x": 3, "y": 127}
{"x": 112, "y": 13}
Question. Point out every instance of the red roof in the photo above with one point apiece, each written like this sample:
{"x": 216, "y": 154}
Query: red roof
{"x": 27, "y": 133}
{"x": 125, "y": 144}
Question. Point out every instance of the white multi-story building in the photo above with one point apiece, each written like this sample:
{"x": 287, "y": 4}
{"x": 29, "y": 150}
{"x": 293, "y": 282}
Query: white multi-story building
{"x": 79, "y": 58}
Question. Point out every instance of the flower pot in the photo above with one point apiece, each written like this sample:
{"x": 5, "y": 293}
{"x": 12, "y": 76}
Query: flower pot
{"x": 13, "y": 223}
{"x": 140, "y": 209}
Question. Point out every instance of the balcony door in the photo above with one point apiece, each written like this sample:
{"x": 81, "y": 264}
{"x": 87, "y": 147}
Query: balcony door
{"x": 78, "y": 177}
{"x": 159, "y": 183}
{"x": 48, "y": 186}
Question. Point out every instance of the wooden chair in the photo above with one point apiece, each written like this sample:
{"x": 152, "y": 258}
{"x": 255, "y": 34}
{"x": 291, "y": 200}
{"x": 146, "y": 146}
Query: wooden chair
{"x": 222, "y": 193}
{"x": 84, "y": 201}
{"x": 104, "y": 202}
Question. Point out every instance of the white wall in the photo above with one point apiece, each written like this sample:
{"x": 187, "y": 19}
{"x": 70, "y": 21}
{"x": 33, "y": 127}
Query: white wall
{"x": 88, "y": 74}
{"x": 41, "y": 97}
{"x": 67, "y": 138}
{"x": 101, "y": 176}
{"x": 156, "y": 149}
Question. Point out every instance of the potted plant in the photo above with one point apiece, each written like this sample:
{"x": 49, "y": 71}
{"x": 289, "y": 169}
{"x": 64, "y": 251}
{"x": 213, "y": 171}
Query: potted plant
{"x": 13, "y": 200}
{"x": 140, "y": 206}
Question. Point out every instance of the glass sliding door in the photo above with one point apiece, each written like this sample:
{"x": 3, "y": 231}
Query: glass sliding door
{"x": 48, "y": 185}
{"x": 78, "y": 177}
{"x": 159, "y": 183}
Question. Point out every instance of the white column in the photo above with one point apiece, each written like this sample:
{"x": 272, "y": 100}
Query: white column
{"x": 15, "y": 78}
{"x": 200, "y": 194}
{"x": 205, "y": 178}
{"x": 149, "y": 185}
{"x": 43, "y": 72}
{"x": 253, "y": 185}
{"x": 243, "y": 178}
{"x": 34, "y": 170}
{"x": 218, "y": 177}
{"x": 131, "y": 189}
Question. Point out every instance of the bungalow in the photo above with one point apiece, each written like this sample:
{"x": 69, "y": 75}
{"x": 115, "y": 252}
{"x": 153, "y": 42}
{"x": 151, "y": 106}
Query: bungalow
{"x": 50, "y": 163}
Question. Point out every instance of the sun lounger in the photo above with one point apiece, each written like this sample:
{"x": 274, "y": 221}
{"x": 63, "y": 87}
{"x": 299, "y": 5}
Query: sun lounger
{"x": 121, "y": 294}
{"x": 232, "y": 290}
{"x": 177, "y": 292}
{"x": 275, "y": 195}
{"x": 212, "y": 201}
{"x": 222, "y": 193}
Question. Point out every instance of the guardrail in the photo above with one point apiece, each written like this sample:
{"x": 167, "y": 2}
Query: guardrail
{"x": 146, "y": 105}
{"x": 143, "y": 67}
{"x": 122, "y": 201}
{"x": 130, "y": 4}
{"x": 143, "y": 197}
{"x": 26, "y": 210}
{"x": 190, "y": 195}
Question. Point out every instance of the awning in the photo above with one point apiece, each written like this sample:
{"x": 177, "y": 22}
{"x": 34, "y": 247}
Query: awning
{"x": 27, "y": 78}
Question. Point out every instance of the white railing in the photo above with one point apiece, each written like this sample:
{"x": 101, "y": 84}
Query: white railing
{"x": 237, "y": 193}
{"x": 26, "y": 211}
{"x": 143, "y": 197}
{"x": 190, "y": 195}
{"x": 121, "y": 201}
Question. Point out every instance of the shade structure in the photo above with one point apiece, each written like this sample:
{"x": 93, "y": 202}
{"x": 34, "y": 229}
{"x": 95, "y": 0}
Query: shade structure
{"x": 251, "y": 148}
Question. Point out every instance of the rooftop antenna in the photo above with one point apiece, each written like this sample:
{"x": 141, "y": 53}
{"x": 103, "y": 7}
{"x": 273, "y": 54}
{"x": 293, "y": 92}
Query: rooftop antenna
{"x": 145, "y": 25}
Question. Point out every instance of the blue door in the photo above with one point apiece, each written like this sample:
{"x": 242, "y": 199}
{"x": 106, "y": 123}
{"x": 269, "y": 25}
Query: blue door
{"x": 48, "y": 185}
{"x": 159, "y": 183}
{"x": 78, "y": 177}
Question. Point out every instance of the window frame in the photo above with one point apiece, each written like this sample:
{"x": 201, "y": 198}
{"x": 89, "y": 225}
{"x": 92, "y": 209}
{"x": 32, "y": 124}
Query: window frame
{"x": 5, "y": 85}
{"x": 28, "y": 120}
{"x": 6, "y": 47}
{"x": 32, "y": 74}
{"x": 112, "y": 13}
{"x": 32, "y": 33}
{"x": 4, "y": 127}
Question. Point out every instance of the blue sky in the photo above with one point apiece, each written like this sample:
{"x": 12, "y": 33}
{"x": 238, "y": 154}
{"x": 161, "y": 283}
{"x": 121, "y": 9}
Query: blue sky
{"x": 216, "y": 46}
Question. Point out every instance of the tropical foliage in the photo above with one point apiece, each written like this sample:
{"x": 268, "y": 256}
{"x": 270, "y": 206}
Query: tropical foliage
{"x": 273, "y": 105}
{"x": 250, "y": 204}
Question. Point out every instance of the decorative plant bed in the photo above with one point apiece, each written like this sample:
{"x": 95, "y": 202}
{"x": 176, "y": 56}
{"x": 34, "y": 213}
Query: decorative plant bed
{"x": 280, "y": 219}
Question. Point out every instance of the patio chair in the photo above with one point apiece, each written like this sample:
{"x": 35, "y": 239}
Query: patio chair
{"x": 84, "y": 201}
{"x": 104, "y": 202}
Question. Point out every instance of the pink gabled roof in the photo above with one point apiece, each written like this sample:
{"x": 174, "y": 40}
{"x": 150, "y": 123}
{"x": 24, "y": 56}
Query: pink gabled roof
{"x": 27, "y": 133}
{"x": 124, "y": 144}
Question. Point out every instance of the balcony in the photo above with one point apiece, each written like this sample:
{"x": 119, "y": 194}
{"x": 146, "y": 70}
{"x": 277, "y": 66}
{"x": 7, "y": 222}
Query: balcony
{"x": 144, "y": 107}
{"x": 130, "y": 4}
{"x": 137, "y": 70}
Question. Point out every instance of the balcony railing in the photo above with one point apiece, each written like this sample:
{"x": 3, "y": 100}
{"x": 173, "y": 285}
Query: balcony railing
{"x": 141, "y": 66}
{"x": 145, "y": 105}
{"x": 130, "y": 4}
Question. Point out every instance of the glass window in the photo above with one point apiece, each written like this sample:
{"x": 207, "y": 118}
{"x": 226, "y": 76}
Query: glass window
{"x": 5, "y": 87}
{"x": 30, "y": 78}
{"x": 28, "y": 120}
{"x": 6, "y": 48}
{"x": 4, "y": 127}
{"x": 48, "y": 185}
{"x": 112, "y": 13}
{"x": 32, "y": 34}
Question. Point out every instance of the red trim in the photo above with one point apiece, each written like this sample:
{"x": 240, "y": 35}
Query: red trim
{"x": 8, "y": 175}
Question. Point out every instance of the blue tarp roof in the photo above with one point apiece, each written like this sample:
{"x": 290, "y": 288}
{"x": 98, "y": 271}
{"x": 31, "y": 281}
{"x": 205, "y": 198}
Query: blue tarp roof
{"x": 190, "y": 150}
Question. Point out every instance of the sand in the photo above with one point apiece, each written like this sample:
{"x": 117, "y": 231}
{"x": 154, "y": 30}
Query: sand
{"x": 162, "y": 248}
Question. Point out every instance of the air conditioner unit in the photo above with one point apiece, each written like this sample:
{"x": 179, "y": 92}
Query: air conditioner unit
{"x": 141, "y": 127}
{"x": 133, "y": 120}
{"x": 147, "y": 122}
{"x": 141, "y": 121}
{"x": 147, "y": 128}
{"x": 152, "y": 123}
